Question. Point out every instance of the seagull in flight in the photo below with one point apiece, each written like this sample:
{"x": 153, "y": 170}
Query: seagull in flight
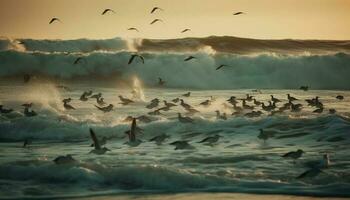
{"x": 189, "y": 58}
{"x": 133, "y": 29}
{"x": 221, "y": 66}
{"x": 185, "y": 30}
{"x": 107, "y": 10}
{"x": 54, "y": 19}
{"x": 97, "y": 146}
{"x": 156, "y": 20}
{"x": 155, "y": 9}
{"x": 238, "y": 13}
{"x": 78, "y": 60}
{"x": 133, "y": 56}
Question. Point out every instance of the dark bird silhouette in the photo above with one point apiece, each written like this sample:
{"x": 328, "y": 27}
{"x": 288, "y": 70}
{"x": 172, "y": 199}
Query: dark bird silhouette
{"x": 133, "y": 56}
{"x": 133, "y": 29}
{"x": 189, "y": 58}
{"x": 221, "y": 66}
{"x": 155, "y": 9}
{"x": 238, "y": 13}
{"x": 340, "y": 97}
{"x": 185, "y": 30}
{"x": 161, "y": 81}
{"x": 78, "y": 60}
{"x": 156, "y": 20}
{"x": 107, "y": 10}
{"x": 54, "y": 19}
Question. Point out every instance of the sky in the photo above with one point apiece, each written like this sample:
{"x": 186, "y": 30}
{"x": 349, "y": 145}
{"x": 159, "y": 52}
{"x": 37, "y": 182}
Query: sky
{"x": 264, "y": 19}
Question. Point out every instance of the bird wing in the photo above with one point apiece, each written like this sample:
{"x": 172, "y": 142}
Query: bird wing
{"x": 94, "y": 139}
{"x": 131, "y": 59}
{"x": 54, "y": 19}
{"x": 133, "y": 130}
{"x": 220, "y": 67}
{"x": 143, "y": 60}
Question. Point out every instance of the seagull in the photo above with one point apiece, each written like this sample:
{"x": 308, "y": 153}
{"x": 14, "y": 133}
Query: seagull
{"x": 133, "y": 29}
{"x": 28, "y": 113}
{"x": 77, "y": 60}
{"x": 258, "y": 103}
{"x": 159, "y": 138}
{"x": 125, "y": 101}
{"x": 133, "y": 56}
{"x": 238, "y": 13}
{"x": 105, "y": 109}
{"x": 156, "y": 20}
{"x": 340, "y": 97}
{"x": 189, "y": 58}
{"x": 185, "y": 105}
{"x": 305, "y": 88}
{"x": 176, "y": 100}
{"x": 97, "y": 147}
{"x": 54, "y": 19}
{"x": 294, "y": 154}
{"x": 133, "y": 141}
{"x": 318, "y": 110}
{"x": 263, "y": 135}
{"x": 185, "y": 30}
{"x": 152, "y": 105}
{"x": 168, "y": 104}
{"x": 275, "y": 100}
{"x": 211, "y": 140}
{"x": 221, "y": 66}
{"x": 68, "y": 159}
{"x": 181, "y": 145}
{"x": 100, "y": 101}
{"x": 5, "y": 111}
{"x": 290, "y": 98}
{"x": 67, "y": 106}
{"x": 155, "y": 9}
{"x": 155, "y": 112}
{"x": 26, "y": 143}
{"x": 205, "y": 103}
{"x": 83, "y": 97}
{"x": 184, "y": 119}
{"x": 188, "y": 94}
{"x": 161, "y": 82}
{"x": 107, "y": 10}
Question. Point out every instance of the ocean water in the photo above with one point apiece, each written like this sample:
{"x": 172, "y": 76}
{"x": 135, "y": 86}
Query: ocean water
{"x": 238, "y": 163}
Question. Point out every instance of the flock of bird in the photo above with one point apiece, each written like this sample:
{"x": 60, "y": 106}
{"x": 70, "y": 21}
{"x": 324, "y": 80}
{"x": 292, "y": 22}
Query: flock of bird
{"x": 158, "y": 107}
{"x": 247, "y": 107}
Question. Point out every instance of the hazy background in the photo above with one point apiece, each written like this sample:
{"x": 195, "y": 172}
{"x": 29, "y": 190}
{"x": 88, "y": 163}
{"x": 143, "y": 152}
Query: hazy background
{"x": 266, "y": 19}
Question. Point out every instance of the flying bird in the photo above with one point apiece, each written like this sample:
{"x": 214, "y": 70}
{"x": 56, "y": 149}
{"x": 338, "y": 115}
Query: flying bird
{"x": 107, "y": 10}
{"x": 155, "y": 9}
{"x": 238, "y": 13}
{"x": 78, "y": 60}
{"x": 133, "y": 56}
{"x": 185, "y": 30}
{"x": 189, "y": 58}
{"x": 221, "y": 66}
{"x": 54, "y": 19}
{"x": 133, "y": 29}
{"x": 156, "y": 20}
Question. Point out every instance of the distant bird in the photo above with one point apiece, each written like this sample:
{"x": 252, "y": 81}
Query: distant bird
{"x": 97, "y": 147}
{"x": 133, "y": 141}
{"x": 310, "y": 173}
{"x": 221, "y": 66}
{"x": 133, "y": 29}
{"x": 155, "y": 9}
{"x": 181, "y": 145}
{"x": 100, "y": 101}
{"x": 96, "y": 96}
{"x": 263, "y": 135}
{"x": 176, "y": 100}
{"x": 290, "y": 98}
{"x": 275, "y": 100}
{"x": 185, "y": 30}
{"x": 67, "y": 106}
{"x": 340, "y": 97}
{"x": 133, "y": 56}
{"x": 189, "y": 58}
{"x": 168, "y": 104}
{"x": 205, "y": 103}
{"x": 54, "y": 19}
{"x": 156, "y": 20}
{"x": 26, "y": 143}
{"x": 68, "y": 159}
{"x": 184, "y": 119}
{"x": 83, "y": 97}
{"x": 159, "y": 138}
{"x": 78, "y": 60}
{"x": 5, "y": 111}
{"x": 107, "y": 10}
{"x": 67, "y": 100}
{"x": 185, "y": 105}
{"x": 26, "y": 78}
{"x": 125, "y": 101}
{"x": 238, "y": 13}
{"x": 188, "y": 94}
{"x": 161, "y": 82}
{"x": 219, "y": 116}
{"x": 318, "y": 110}
{"x": 210, "y": 140}
{"x": 105, "y": 109}
{"x": 294, "y": 154}
{"x": 305, "y": 88}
